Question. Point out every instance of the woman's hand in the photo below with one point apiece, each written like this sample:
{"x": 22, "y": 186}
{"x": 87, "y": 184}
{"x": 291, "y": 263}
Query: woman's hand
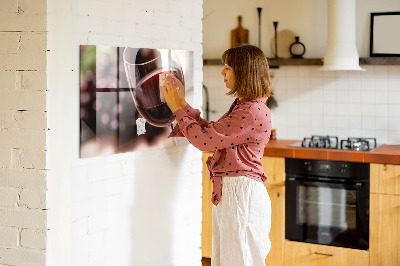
{"x": 174, "y": 93}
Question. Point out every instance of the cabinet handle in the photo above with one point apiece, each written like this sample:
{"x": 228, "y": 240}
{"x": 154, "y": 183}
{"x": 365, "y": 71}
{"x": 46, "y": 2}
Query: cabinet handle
{"x": 324, "y": 254}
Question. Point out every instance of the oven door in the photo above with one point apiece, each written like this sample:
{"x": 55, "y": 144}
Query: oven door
{"x": 327, "y": 213}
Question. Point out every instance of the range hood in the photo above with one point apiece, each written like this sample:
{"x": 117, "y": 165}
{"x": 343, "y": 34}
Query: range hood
{"x": 341, "y": 51}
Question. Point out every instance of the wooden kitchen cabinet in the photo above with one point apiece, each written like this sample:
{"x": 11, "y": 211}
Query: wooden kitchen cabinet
{"x": 385, "y": 178}
{"x": 385, "y": 215}
{"x": 305, "y": 254}
{"x": 274, "y": 168}
{"x": 206, "y": 225}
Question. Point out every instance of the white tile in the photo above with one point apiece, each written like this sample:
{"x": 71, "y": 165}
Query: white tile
{"x": 394, "y": 97}
{"x": 303, "y": 82}
{"x": 355, "y": 109}
{"x": 355, "y": 96}
{"x": 381, "y": 123}
{"x": 355, "y": 132}
{"x": 342, "y": 96}
{"x": 394, "y": 110}
{"x": 394, "y": 137}
{"x": 342, "y": 109}
{"x": 367, "y": 122}
{"x": 292, "y": 83}
{"x": 329, "y": 122}
{"x": 354, "y": 80}
{"x": 367, "y": 110}
{"x": 342, "y": 122}
{"x": 317, "y": 121}
{"x": 381, "y": 71}
{"x": 367, "y": 96}
{"x": 342, "y": 81}
{"x": 381, "y": 97}
{"x": 367, "y": 83}
{"x": 329, "y": 109}
{"x": 304, "y": 72}
{"x": 394, "y": 70}
{"x": 317, "y": 107}
{"x": 382, "y": 136}
{"x": 381, "y": 110}
{"x": 367, "y": 133}
{"x": 355, "y": 122}
{"x": 381, "y": 84}
{"x": 394, "y": 83}
{"x": 316, "y": 82}
{"x": 394, "y": 123}
{"x": 329, "y": 94}
{"x": 291, "y": 71}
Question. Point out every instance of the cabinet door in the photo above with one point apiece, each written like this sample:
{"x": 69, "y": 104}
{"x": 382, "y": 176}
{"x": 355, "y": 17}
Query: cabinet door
{"x": 274, "y": 168}
{"x": 206, "y": 232}
{"x": 385, "y": 178}
{"x": 277, "y": 233}
{"x": 304, "y": 254}
{"x": 384, "y": 230}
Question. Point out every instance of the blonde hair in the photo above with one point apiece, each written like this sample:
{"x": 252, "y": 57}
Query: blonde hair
{"x": 250, "y": 66}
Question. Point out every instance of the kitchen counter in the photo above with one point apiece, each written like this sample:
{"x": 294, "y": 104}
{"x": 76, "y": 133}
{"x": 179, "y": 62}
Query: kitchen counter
{"x": 389, "y": 154}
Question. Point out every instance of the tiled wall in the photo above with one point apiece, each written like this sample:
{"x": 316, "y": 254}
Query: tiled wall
{"x": 313, "y": 102}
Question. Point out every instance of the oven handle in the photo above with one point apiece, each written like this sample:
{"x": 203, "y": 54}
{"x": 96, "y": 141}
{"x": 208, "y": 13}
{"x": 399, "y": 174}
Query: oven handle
{"x": 357, "y": 185}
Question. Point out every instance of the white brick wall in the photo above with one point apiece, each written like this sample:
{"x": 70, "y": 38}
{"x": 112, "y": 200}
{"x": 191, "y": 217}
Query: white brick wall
{"x": 141, "y": 208}
{"x": 23, "y": 132}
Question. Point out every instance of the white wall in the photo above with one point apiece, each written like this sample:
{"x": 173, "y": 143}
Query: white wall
{"x": 140, "y": 208}
{"x": 306, "y": 19}
{"x": 311, "y": 102}
{"x": 23, "y": 133}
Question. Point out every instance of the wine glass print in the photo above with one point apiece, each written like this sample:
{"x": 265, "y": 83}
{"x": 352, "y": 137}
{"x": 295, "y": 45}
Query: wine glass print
{"x": 145, "y": 70}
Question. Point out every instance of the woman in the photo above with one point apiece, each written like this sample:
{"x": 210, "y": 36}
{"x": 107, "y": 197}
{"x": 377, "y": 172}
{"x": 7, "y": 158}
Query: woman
{"x": 242, "y": 212}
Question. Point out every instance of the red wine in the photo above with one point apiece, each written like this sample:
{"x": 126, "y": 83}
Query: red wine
{"x": 148, "y": 101}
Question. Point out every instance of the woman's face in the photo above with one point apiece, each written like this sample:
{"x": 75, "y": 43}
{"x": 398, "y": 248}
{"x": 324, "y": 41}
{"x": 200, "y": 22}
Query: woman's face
{"x": 229, "y": 76}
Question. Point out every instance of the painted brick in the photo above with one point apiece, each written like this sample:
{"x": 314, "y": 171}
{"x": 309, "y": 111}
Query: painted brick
{"x": 17, "y": 256}
{"x": 33, "y": 159}
{"x": 33, "y": 239}
{"x": 22, "y": 100}
{"x": 23, "y": 178}
{"x": 35, "y": 120}
{"x": 10, "y": 42}
{"x": 31, "y": 55}
{"x": 33, "y": 199}
{"x": 15, "y": 139}
{"x": 8, "y": 237}
{"x": 30, "y": 80}
{"x": 8, "y": 197}
{"x": 22, "y": 218}
{"x": 5, "y": 158}
{"x": 8, "y": 6}
{"x": 7, "y": 79}
{"x": 11, "y": 20}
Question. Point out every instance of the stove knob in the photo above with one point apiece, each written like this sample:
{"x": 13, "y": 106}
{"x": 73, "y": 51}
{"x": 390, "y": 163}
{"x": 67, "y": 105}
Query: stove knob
{"x": 343, "y": 168}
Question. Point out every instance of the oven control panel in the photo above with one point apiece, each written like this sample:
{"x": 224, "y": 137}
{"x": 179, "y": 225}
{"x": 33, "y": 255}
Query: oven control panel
{"x": 338, "y": 169}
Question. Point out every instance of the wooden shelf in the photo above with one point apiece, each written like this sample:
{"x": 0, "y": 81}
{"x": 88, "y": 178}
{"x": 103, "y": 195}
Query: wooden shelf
{"x": 274, "y": 63}
{"x": 380, "y": 61}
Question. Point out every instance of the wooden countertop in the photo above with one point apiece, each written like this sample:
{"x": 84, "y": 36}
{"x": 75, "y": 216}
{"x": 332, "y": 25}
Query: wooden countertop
{"x": 389, "y": 154}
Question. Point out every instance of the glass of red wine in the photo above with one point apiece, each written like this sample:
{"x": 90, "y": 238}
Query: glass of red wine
{"x": 145, "y": 69}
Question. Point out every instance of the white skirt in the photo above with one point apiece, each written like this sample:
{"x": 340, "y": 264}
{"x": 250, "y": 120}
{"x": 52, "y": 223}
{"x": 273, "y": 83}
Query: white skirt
{"x": 241, "y": 223}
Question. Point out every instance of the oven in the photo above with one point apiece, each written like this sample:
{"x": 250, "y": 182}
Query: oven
{"x": 327, "y": 202}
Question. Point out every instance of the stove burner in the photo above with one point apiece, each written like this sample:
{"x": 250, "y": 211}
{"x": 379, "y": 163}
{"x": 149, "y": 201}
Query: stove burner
{"x": 358, "y": 144}
{"x": 328, "y": 142}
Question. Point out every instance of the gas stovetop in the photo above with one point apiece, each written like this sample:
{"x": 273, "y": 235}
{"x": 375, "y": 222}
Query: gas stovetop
{"x": 332, "y": 142}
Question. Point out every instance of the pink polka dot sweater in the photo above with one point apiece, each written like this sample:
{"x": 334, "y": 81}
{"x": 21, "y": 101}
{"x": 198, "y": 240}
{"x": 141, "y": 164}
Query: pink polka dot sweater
{"x": 238, "y": 139}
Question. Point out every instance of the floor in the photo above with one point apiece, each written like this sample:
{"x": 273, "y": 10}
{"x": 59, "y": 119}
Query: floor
{"x": 206, "y": 261}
